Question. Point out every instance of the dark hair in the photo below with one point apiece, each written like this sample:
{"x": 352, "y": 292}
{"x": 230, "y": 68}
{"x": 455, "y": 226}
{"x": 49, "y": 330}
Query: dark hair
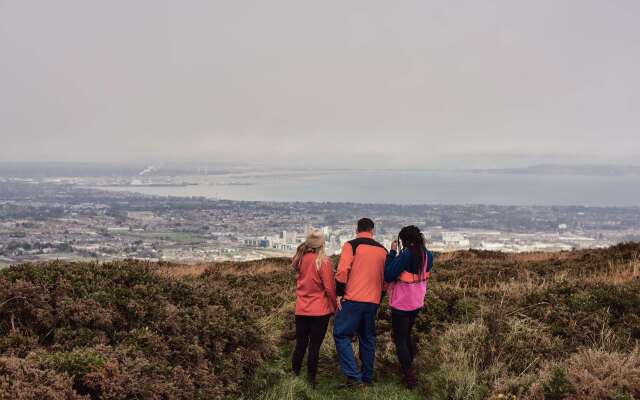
{"x": 411, "y": 238}
{"x": 365, "y": 225}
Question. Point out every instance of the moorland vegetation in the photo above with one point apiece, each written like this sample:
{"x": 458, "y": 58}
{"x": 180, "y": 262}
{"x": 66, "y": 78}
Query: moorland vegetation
{"x": 495, "y": 326}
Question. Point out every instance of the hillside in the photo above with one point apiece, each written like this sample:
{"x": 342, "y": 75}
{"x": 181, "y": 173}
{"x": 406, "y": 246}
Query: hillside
{"x": 531, "y": 326}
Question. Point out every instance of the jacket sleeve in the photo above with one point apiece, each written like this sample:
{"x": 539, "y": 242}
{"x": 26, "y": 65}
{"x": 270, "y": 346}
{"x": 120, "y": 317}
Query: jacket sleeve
{"x": 328, "y": 281}
{"x": 395, "y": 265}
{"x": 430, "y": 260}
{"x": 344, "y": 267}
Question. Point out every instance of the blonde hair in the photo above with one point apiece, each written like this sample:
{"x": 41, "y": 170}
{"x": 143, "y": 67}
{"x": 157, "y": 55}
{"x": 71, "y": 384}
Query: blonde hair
{"x": 313, "y": 243}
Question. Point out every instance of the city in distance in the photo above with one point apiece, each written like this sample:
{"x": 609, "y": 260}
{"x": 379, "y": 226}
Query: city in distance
{"x": 209, "y": 212}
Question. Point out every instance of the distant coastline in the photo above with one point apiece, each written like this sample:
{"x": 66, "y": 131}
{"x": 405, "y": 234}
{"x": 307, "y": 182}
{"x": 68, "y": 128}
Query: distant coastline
{"x": 573, "y": 169}
{"x": 135, "y": 185}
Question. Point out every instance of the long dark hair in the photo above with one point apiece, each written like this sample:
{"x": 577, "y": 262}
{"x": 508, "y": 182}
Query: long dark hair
{"x": 411, "y": 238}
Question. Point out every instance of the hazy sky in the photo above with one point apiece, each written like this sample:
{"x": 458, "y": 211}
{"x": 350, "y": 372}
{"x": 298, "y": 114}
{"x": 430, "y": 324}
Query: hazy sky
{"x": 369, "y": 81}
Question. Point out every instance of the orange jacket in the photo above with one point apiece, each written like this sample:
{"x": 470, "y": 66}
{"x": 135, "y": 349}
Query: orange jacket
{"x": 315, "y": 290}
{"x": 360, "y": 277}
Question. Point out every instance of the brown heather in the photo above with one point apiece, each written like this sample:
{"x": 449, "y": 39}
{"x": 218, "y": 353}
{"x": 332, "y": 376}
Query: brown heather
{"x": 510, "y": 326}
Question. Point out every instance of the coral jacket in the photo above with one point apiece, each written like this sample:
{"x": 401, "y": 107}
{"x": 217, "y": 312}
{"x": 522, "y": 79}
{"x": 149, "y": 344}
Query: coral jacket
{"x": 315, "y": 290}
{"x": 360, "y": 275}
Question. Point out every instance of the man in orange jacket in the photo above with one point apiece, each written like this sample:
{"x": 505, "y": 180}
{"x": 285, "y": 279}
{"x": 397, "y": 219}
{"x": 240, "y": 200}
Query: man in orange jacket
{"x": 359, "y": 288}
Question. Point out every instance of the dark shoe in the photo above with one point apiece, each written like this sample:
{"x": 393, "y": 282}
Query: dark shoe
{"x": 349, "y": 383}
{"x": 409, "y": 378}
{"x": 295, "y": 372}
{"x": 367, "y": 383}
{"x": 312, "y": 381}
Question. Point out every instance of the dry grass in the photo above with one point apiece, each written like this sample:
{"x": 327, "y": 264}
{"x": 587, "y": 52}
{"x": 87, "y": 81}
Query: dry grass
{"x": 594, "y": 375}
{"x": 460, "y": 349}
{"x": 542, "y": 256}
{"x": 264, "y": 267}
{"x": 182, "y": 271}
{"x": 617, "y": 274}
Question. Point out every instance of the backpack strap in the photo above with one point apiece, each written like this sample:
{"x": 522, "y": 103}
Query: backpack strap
{"x": 366, "y": 241}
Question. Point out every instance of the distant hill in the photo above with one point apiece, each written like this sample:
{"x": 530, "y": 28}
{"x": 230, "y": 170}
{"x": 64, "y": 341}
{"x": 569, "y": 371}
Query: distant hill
{"x": 525, "y": 326}
{"x": 569, "y": 169}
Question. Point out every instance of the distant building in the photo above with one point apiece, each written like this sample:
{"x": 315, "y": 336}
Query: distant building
{"x": 455, "y": 239}
{"x": 140, "y": 215}
{"x": 258, "y": 242}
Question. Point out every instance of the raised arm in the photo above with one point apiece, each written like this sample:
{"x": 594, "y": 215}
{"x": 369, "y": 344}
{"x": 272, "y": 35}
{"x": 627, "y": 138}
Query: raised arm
{"x": 395, "y": 264}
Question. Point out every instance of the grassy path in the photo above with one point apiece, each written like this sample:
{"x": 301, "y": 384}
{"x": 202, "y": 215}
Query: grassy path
{"x": 276, "y": 382}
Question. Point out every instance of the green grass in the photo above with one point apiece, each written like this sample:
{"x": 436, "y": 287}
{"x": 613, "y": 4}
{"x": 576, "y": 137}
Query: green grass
{"x": 276, "y": 382}
{"x": 296, "y": 388}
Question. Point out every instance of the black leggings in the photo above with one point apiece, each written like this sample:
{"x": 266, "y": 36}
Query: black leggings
{"x": 401, "y": 325}
{"x": 310, "y": 332}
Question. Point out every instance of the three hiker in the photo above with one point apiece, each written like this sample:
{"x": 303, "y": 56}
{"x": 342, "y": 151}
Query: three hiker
{"x": 364, "y": 272}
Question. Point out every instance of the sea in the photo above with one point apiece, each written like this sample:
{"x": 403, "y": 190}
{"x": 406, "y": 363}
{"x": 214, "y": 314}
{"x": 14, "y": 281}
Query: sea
{"x": 408, "y": 187}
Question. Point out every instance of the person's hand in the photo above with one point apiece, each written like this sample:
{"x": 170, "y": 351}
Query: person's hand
{"x": 339, "y": 302}
{"x": 394, "y": 245}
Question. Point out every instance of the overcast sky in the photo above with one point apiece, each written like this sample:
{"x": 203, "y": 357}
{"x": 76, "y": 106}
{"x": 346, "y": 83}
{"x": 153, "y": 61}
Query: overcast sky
{"x": 398, "y": 82}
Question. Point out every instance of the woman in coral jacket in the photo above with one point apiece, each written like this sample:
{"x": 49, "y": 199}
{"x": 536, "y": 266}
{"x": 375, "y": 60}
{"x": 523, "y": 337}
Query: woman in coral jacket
{"x": 407, "y": 274}
{"x": 315, "y": 301}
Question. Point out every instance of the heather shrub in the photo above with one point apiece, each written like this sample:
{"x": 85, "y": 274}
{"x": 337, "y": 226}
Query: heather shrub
{"x": 524, "y": 326}
{"x": 24, "y": 379}
{"x": 590, "y": 375}
{"x": 579, "y": 314}
{"x": 119, "y": 330}
{"x": 557, "y": 386}
{"x": 447, "y": 305}
{"x": 525, "y": 343}
{"x": 600, "y": 375}
{"x": 78, "y": 362}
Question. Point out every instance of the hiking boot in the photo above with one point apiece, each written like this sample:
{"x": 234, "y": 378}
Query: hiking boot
{"x": 409, "y": 378}
{"x": 350, "y": 383}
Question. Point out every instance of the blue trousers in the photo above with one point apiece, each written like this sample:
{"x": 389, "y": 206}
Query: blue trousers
{"x": 356, "y": 318}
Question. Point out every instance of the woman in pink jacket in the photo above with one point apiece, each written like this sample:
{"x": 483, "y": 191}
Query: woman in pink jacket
{"x": 407, "y": 274}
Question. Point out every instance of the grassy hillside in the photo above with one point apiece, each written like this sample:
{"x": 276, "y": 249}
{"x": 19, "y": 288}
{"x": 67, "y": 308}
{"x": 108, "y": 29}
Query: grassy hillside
{"x": 528, "y": 326}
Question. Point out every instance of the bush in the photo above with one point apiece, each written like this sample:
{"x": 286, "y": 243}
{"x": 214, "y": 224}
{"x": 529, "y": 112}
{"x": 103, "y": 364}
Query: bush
{"x": 525, "y": 343}
{"x": 600, "y": 375}
{"x": 458, "y": 375}
{"x": 558, "y": 386}
{"x": 524, "y": 325}
{"x": 24, "y": 379}
{"x": 120, "y": 330}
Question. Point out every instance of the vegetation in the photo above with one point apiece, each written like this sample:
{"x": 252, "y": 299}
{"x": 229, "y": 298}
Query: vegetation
{"x": 496, "y": 326}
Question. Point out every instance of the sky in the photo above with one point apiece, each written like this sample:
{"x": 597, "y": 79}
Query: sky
{"x": 384, "y": 83}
